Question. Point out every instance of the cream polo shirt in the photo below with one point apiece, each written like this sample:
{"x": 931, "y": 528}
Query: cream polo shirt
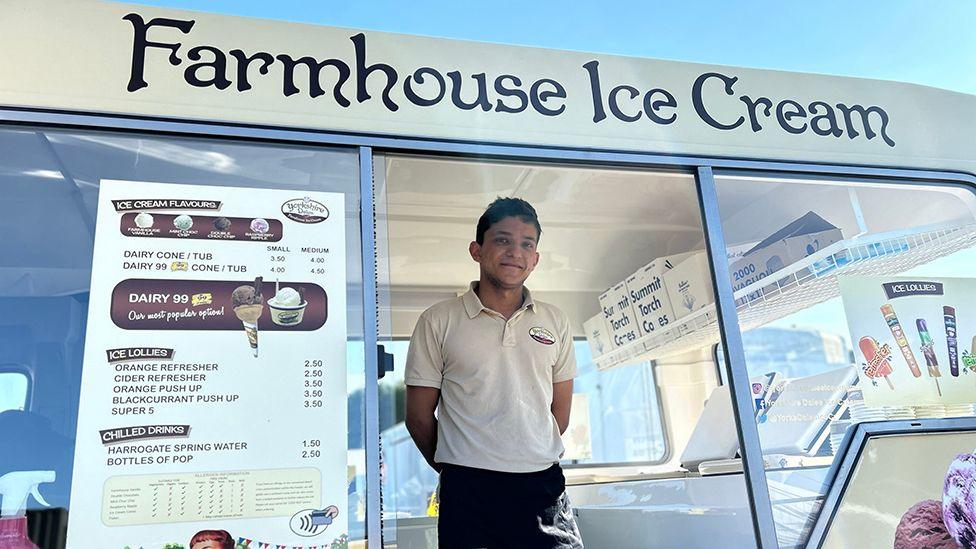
{"x": 495, "y": 377}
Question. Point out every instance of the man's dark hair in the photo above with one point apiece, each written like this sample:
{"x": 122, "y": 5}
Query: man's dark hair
{"x": 506, "y": 207}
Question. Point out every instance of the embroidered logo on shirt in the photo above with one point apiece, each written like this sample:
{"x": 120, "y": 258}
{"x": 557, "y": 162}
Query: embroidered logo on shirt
{"x": 542, "y": 335}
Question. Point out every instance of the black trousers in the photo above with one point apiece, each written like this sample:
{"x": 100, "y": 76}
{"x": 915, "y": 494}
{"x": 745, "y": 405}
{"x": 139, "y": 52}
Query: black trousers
{"x": 492, "y": 509}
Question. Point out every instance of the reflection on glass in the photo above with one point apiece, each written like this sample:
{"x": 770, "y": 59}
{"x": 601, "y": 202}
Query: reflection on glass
{"x": 13, "y": 390}
{"x": 623, "y": 255}
{"x": 50, "y": 183}
{"x": 810, "y": 261}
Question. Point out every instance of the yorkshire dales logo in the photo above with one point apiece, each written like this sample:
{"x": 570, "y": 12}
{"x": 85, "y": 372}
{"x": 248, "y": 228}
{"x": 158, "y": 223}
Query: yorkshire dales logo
{"x": 542, "y": 335}
{"x": 305, "y": 210}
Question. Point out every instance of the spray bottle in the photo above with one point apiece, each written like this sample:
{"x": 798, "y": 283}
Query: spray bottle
{"x": 14, "y": 488}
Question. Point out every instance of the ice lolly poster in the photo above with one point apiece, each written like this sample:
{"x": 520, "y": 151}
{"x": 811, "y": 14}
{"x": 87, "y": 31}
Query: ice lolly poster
{"x": 914, "y": 338}
{"x": 213, "y": 397}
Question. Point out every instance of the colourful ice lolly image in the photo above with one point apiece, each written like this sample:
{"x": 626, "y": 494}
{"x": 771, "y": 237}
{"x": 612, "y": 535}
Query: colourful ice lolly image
{"x": 949, "y": 314}
{"x": 969, "y": 358}
{"x": 928, "y": 351}
{"x": 878, "y": 359}
{"x": 899, "y": 334}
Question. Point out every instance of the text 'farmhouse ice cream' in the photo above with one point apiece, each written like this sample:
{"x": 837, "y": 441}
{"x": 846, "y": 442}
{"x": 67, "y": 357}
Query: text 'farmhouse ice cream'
{"x": 247, "y": 301}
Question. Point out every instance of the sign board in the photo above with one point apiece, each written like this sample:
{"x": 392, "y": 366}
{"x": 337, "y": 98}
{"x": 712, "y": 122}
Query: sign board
{"x": 108, "y": 57}
{"x": 913, "y": 339}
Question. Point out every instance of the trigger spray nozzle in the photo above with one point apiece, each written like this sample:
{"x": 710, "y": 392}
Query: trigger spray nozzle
{"x": 15, "y": 487}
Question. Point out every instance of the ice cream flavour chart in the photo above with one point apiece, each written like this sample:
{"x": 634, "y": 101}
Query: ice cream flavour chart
{"x": 213, "y": 393}
{"x": 915, "y": 339}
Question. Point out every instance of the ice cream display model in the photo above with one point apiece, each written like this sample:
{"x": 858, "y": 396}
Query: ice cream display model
{"x": 287, "y": 306}
{"x": 248, "y": 305}
{"x": 922, "y": 526}
{"x": 959, "y": 500}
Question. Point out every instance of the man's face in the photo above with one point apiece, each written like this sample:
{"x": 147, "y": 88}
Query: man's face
{"x": 508, "y": 254}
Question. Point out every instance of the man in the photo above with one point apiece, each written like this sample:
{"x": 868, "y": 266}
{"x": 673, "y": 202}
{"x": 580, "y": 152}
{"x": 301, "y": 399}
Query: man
{"x": 498, "y": 366}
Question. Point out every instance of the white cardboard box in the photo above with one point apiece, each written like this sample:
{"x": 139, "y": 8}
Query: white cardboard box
{"x": 597, "y": 335}
{"x": 619, "y": 315}
{"x": 649, "y": 297}
{"x": 801, "y": 238}
{"x": 689, "y": 285}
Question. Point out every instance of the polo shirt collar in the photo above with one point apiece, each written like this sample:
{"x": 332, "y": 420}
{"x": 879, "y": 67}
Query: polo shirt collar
{"x": 473, "y": 305}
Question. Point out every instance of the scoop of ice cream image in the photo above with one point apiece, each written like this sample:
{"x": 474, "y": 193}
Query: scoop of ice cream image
{"x": 287, "y": 306}
{"x": 183, "y": 222}
{"x": 248, "y": 306}
{"x": 260, "y": 225}
{"x": 144, "y": 220}
{"x": 221, "y": 224}
{"x": 959, "y": 500}
{"x": 922, "y": 526}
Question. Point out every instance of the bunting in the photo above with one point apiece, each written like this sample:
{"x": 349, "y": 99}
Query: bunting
{"x": 250, "y": 543}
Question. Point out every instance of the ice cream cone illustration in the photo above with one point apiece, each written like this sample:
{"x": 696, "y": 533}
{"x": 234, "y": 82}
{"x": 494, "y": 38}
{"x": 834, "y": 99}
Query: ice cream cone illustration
{"x": 248, "y": 306}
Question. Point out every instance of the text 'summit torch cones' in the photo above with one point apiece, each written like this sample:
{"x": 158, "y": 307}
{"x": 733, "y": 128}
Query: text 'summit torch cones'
{"x": 248, "y": 305}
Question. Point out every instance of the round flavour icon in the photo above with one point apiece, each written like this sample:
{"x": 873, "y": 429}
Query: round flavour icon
{"x": 144, "y": 220}
{"x": 221, "y": 224}
{"x": 260, "y": 225}
{"x": 183, "y": 222}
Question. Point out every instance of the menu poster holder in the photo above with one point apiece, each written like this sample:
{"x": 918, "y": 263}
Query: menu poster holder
{"x": 213, "y": 392}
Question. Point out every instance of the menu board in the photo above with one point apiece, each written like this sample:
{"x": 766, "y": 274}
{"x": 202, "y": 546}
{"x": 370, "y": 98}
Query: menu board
{"x": 914, "y": 339}
{"x": 213, "y": 393}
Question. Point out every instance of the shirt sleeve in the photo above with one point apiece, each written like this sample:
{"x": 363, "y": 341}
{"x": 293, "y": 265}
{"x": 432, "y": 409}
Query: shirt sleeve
{"x": 565, "y": 367}
{"x": 425, "y": 365}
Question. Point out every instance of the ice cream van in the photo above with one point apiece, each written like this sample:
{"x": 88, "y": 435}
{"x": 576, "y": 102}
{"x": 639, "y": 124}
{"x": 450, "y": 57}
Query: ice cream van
{"x": 308, "y": 191}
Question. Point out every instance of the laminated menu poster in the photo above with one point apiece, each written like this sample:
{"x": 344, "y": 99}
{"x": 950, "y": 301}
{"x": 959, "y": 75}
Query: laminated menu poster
{"x": 213, "y": 393}
{"x": 914, "y": 339}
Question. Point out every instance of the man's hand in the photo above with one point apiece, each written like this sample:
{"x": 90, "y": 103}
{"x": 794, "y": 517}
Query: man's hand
{"x": 421, "y": 423}
{"x": 562, "y": 401}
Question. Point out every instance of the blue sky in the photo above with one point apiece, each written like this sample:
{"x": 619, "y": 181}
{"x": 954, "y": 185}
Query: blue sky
{"x": 929, "y": 43}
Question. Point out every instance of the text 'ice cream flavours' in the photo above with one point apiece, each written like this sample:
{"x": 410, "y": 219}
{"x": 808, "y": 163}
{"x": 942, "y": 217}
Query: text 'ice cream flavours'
{"x": 287, "y": 306}
{"x": 248, "y": 306}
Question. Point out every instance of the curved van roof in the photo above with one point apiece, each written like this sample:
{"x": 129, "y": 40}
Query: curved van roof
{"x": 137, "y": 60}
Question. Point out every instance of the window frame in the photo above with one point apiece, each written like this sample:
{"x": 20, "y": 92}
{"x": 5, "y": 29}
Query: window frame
{"x": 18, "y": 368}
{"x": 368, "y": 144}
{"x": 665, "y": 432}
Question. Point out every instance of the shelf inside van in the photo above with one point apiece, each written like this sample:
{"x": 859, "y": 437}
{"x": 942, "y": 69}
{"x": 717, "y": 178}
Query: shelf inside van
{"x": 801, "y": 285}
